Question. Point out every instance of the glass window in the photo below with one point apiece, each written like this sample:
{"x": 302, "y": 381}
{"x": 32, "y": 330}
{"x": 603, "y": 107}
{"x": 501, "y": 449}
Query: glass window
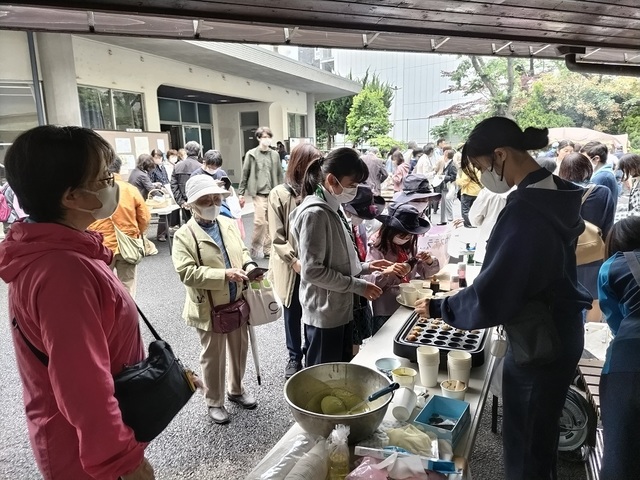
{"x": 169, "y": 110}
{"x": 95, "y": 108}
{"x": 128, "y": 110}
{"x": 297, "y": 125}
{"x": 249, "y": 119}
{"x": 188, "y": 112}
{"x": 207, "y": 139}
{"x": 204, "y": 113}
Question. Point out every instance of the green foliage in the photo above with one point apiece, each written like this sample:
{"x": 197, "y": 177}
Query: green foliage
{"x": 535, "y": 112}
{"x": 385, "y": 144}
{"x": 369, "y": 116}
{"x": 376, "y": 84}
{"x": 631, "y": 126}
{"x": 331, "y": 119}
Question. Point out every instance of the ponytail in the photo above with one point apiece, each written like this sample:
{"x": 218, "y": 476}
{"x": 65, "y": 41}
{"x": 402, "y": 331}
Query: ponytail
{"x": 341, "y": 162}
{"x": 312, "y": 177}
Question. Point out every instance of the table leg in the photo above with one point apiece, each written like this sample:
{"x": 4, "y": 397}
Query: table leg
{"x": 169, "y": 239}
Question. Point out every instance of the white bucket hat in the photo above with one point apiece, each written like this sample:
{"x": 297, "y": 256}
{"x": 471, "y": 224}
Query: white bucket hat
{"x": 201, "y": 185}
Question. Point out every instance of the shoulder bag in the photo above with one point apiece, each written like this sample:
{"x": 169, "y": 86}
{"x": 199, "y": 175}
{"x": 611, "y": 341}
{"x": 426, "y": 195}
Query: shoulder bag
{"x": 228, "y": 317}
{"x": 131, "y": 249}
{"x": 590, "y": 246}
{"x": 150, "y": 393}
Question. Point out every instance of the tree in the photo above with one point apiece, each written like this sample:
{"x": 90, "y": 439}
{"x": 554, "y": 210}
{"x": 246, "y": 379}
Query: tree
{"x": 331, "y": 119}
{"x": 369, "y": 116}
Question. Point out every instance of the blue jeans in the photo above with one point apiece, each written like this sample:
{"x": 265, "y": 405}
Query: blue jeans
{"x": 292, "y": 324}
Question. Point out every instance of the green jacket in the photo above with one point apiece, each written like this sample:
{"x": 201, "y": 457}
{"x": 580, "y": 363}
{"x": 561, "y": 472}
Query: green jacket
{"x": 248, "y": 184}
{"x": 211, "y": 276}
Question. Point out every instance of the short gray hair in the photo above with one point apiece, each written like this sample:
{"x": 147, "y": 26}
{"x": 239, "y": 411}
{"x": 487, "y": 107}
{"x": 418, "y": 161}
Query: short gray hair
{"x": 213, "y": 158}
{"x": 192, "y": 148}
{"x": 373, "y": 150}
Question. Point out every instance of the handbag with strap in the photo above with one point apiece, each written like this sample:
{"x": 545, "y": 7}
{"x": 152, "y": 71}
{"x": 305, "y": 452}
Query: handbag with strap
{"x": 533, "y": 335}
{"x": 590, "y": 246}
{"x": 228, "y": 317}
{"x": 131, "y": 249}
{"x": 263, "y": 304}
{"x": 151, "y": 392}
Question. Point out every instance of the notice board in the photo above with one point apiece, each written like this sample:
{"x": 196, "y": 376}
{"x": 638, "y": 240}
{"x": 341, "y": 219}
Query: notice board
{"x": 130, "y": 145}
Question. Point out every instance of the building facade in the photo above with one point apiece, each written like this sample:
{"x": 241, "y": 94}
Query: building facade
{"x": 211, "y": 92}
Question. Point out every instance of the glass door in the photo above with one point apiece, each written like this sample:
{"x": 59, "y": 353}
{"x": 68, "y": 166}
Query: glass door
{"x": 191, "y": 133}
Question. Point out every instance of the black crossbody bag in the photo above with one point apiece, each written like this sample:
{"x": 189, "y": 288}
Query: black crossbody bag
{"x": 150, "y": 393}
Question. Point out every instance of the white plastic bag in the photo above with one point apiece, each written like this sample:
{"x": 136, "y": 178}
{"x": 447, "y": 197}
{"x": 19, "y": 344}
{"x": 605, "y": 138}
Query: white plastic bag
{"x": 264, "y": 306}
{"x": 233, "y": 202}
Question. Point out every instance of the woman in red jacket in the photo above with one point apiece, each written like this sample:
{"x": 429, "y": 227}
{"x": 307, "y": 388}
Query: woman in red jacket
{"x": 66, "y": 302}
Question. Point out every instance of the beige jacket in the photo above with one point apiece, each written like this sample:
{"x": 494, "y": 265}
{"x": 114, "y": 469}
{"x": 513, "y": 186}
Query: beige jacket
{"x": 211, "y": 276}
{"x": 283, "y": 243}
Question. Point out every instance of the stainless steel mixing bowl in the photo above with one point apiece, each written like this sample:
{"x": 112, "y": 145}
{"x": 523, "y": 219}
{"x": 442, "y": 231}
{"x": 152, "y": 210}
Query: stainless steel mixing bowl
{"x": 302, "y": 387}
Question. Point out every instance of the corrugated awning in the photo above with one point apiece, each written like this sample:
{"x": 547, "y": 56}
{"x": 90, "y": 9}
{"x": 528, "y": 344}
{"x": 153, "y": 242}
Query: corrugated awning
{"x": 606, "y": 31}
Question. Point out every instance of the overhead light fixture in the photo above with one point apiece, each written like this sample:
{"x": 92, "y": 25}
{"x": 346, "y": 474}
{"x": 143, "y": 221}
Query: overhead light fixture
{"x": 223, "y": 100}
{"x": 192, "y": 96}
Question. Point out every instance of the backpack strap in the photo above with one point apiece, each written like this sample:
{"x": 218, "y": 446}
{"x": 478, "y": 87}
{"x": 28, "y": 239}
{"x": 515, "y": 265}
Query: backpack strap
{"x": 634, "y": 265}
{"x": 586, "y": 194}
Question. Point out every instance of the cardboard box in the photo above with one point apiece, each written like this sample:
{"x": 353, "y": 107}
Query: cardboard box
{"x": 447, "y": 408}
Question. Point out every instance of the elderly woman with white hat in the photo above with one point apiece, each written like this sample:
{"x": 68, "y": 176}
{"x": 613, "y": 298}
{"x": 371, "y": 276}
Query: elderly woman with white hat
{"x": 212, "y": 262}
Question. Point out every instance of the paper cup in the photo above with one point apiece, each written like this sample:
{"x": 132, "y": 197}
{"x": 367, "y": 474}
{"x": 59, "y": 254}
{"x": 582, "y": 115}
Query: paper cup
{"x": 405, "y": 376}
{"x": 408, "y": 293}
{"x": 403, "y": 404}
{"x": 459, "y": 365}
{"x": 453, "y": 389}
{"x": 417, "y": 284}
{"x": 428, "y": 364}
{"x": 425, "y": 293}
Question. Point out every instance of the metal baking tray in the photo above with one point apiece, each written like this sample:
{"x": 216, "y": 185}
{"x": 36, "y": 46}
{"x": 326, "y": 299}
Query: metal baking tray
{"x": 435, "y": 333}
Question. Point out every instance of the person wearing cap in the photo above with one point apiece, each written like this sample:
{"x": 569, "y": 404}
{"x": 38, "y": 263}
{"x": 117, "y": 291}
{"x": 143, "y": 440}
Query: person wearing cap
{"x": 284, "y": 265}
{"x": 417, "y": 191}
{"x": 209, "y": 255}
{"x": 397, "y": 242}
{"x": 364, "y": 207}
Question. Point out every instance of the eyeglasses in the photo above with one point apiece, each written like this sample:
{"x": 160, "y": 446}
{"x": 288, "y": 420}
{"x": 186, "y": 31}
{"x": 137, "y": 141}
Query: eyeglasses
{"x": 110, "y": 180}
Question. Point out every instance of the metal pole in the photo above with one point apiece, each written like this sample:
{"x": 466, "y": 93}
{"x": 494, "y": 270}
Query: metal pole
{"x": 37, "y": 92}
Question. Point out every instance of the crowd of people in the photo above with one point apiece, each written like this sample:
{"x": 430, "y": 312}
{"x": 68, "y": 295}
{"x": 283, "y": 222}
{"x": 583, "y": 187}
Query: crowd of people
{"x": 337, "y": 254}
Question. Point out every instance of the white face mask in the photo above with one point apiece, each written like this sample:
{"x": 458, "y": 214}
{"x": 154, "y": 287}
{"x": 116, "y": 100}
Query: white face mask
{"x": 265, "y": 142}
{"x": 355, "y": 221}
{"x": 208, "y": 213}
{"x": 109, "y": 197}
{"x": 210, "y": 170}
{"x": 173, "y": 159}
{"x": 347, "y": 194}
{"x": 493, "y": 182}
{"x": 398, "y": 240}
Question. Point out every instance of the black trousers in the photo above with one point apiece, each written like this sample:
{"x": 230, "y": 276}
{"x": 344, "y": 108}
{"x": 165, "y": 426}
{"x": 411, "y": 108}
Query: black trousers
{"x": 326, "y": 345}
{"x": 465, "y": 205}
{"x": 533, "y": 398}
{"x": 293, "y": 324}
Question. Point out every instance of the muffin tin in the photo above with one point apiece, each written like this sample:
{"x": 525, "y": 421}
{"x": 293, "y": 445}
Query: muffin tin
{"x": 417, "y": 332}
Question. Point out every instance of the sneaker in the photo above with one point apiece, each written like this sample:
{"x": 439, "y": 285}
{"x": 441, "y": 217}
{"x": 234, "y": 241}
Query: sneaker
{"x": 292, "y": 368}
{"x": 255, "y": 255}
{"x": 162, "y": 238}
{"x": 245, "y": 400}
{"x": 219, "y": 415}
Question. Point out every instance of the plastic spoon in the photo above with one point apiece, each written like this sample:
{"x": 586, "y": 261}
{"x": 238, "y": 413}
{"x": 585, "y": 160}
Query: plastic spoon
{"x": 375, "y": 395}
